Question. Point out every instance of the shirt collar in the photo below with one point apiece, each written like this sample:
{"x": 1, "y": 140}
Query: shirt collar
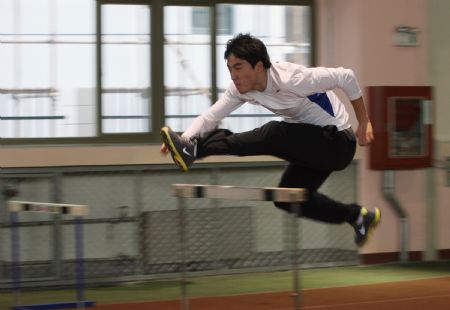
{"x": 269, "y": 80}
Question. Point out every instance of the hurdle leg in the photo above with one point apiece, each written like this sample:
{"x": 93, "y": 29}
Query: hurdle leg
{"x": 79, "y": 262}
{"x": 184, "y": 302}
{"x": 295, "y": 254}
{"x": 15, "y": 256}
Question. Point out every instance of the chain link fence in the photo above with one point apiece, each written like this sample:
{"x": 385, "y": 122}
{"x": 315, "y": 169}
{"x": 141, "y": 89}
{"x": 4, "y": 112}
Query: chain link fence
{"x": 131, "y": 232}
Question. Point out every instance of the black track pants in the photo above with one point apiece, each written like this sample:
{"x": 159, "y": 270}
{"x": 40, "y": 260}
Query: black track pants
{"x": 313, "y": 153}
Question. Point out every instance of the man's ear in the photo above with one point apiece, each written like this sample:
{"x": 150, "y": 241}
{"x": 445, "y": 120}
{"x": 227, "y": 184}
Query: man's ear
{"x": 259, "y": 67}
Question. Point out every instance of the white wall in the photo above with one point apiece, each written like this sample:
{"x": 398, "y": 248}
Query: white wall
{"x": 439, "y": 68}
{"x": 359, "y": 35}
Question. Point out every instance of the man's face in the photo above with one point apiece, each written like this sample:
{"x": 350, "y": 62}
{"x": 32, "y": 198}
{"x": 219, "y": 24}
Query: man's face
{"x": 242, "y": 73}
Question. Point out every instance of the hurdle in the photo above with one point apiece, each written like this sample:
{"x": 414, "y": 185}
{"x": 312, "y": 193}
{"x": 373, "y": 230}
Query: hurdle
{"x": 294, "y": 196}
{"x": 78, "y": 212}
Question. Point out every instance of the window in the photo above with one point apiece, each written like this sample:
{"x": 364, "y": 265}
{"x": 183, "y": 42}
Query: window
{"x": 47, "y": 59}
{"x": 158, "y": 64}
{"x": 201, "y": 20}
{"x": 284, "y": 30}
{"x": 187, "y": 67}
{"x": 126, "y": 94}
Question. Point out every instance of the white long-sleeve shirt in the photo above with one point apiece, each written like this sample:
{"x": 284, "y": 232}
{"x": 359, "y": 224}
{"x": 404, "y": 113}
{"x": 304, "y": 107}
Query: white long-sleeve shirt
{"x": 294, "y": 92}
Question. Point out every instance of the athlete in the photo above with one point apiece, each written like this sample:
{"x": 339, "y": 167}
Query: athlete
{"x": 315, "y": 136}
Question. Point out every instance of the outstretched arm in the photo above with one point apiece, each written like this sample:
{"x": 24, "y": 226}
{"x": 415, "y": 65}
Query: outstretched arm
{"x": 209, "y": 119}
{"x": 364, "y": 132}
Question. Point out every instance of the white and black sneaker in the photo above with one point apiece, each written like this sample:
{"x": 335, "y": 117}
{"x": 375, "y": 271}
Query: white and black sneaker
{"x": 182, "y": 150}
{"x": 365, "y": 224}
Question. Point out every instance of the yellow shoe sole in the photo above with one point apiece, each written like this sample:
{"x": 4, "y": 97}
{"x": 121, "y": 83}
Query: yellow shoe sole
{"x": 374, "y": 224}
{"x": 173, "y": 151}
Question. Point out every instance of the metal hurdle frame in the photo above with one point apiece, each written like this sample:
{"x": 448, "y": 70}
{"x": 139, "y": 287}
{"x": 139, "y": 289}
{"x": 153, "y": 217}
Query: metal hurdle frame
{"x": 294, "y": 196}
{"x": 78, "y": 212}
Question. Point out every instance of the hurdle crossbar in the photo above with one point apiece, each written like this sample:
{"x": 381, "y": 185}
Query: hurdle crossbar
{"x": 279, "y": 194}
{"x": 45, "y": 207}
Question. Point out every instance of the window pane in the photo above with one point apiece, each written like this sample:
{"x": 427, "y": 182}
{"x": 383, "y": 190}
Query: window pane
{"x": 186, "y": 66}
{"x": 126, "y": 68}
{"x": 34, "y": 16}
{"x": 47, "y": 56}
{"x": 286, "y": 33}
{"x": 200, "y": 20}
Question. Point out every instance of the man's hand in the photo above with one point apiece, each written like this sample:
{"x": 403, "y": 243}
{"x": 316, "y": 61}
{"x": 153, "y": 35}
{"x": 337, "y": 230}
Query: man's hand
{"x": 164, "y": 150}
{"x": 364, "y": 133}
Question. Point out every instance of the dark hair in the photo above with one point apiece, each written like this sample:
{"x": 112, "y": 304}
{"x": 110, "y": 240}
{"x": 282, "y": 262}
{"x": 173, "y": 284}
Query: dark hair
{"x": 249, "y": 48}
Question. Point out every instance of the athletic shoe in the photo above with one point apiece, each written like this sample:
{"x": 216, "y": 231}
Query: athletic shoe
{"x": 368, "y": 221}
{"x": 182, "y": 150}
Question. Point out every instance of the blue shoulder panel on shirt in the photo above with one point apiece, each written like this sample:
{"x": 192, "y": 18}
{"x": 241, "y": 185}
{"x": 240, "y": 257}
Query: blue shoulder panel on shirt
{"x": 323, "y": 101}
